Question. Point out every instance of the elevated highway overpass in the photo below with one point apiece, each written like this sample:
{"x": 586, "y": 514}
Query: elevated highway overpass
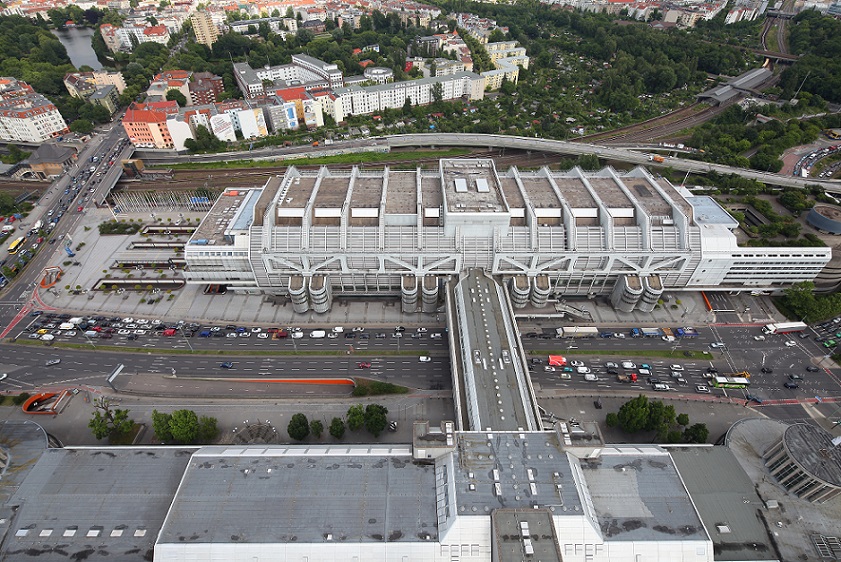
{"x": 550, "y": 146}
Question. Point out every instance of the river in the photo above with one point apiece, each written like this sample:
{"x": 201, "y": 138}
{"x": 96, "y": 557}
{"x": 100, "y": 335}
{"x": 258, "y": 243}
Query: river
{"x": 77, "y": 41}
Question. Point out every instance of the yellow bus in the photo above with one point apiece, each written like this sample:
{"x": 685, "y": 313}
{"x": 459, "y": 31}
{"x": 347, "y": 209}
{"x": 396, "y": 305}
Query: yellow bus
{"x": 15, "y": 246}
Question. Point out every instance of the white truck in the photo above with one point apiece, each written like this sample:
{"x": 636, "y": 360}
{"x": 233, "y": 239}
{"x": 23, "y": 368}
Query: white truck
{"x": 37, "y": 226}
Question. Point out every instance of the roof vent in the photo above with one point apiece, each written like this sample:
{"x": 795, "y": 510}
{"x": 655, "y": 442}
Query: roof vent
{"x": 723, "y": 529}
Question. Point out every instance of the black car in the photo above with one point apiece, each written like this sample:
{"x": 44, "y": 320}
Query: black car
{"x": 812, "y": 369}
{"x": 536, "y": 361}
{"x": 790, "y": 385}
{"x": 766, "y": 370}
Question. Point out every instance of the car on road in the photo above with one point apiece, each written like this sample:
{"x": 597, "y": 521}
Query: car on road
{"x": 676, "y": 367}
{"x": 619, "y": 335}
{"x": 583, "y": 370}
{"x": 380, "y": 336}
{"x": 576, "y": 363}
{"x": 263, "y": 335}
{"x": 759, "y": 338}
{"x": 227, "y": 365}
{"x": 812, "y": 369}
{"x": 549, "y": 369}
{"x": 51, "y": 362}
{"x": 3, "y": 376}
{"x": 363, "y": 365}
{"x": 791, "y": 385}
{"x": 422, "y": 330}
{"x": 399, "y": 329}
{"x": 234, "y": 334}
{"x": 795, "y": 377}
{"x": 702, "y": 388}
{"x": 359, "y": 329}
{"x": 629, "y": 365}
{"x": 424, "y": 359}
{"x": 766, "y": 370}
{"x": 790, "y": 343}
{"x": 717, "y": 345}
{"x": 611, "y": 365}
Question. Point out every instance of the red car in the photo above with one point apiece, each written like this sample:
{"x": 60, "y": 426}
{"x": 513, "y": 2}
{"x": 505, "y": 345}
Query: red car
{"x": 39, "y": 240}
{"x": 363, "y": 365}
{"x": 80, "y": 208}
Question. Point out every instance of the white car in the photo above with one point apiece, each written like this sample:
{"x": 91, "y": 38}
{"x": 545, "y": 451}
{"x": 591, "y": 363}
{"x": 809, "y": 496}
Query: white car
{"x": 790, "y": 343}
{"x": 244, "y": 334}
{"x": 702, "y": 388}
{"x": 759, "y": 338}
{"x": 123, "y": 332}
{"x": 576, "y": 363}
{"x": 70, "y": 333}
{"x": 332, "y": 335}
{"x": 676, "y": 367}
{"x": 717, "y": 345}
{"x": 263, "y": 335}
{"x": 583, "y": 370}
{"x": 297, "y": 335}
{"x": 549, "y": 369}
{"x": 215, "y": 328}
{"x": 231, "y": 335}
{"x": 3, "y": 376}
{"x": 421, "y": 330}
{"x": 619, "y": 335}
{"x": 629, "y": 365}
{"x": 256, "y": 330}
{"x": 140, "y": 332}
{"x": 668, "y": 339}
{"x": 47, "y": 337}
{"x": 359, "y": 329}
{"x": 424, "y": 359}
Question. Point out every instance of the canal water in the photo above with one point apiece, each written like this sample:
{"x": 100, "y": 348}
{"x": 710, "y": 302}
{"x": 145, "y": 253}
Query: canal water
{"x": 77, "y": 41}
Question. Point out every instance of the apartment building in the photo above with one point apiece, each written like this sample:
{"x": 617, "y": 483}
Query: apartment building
{"x": 26, "y": 115}
{"x": 206, "y": 31}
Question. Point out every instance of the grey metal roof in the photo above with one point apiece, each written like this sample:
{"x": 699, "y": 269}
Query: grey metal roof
{"x": 724, "y": 494}
{"x": 303, "y": 494}
{"x": 812, "y": 448}
{"x": 707, "y": 211}
{"x": 23, "y": 442}
{"x": 826, "y": 218}
{"x": 530, "y": 468}
{"x": 79, "y": 502}
{"x": 638, "y": 496}
{"x": 524, "y": 534}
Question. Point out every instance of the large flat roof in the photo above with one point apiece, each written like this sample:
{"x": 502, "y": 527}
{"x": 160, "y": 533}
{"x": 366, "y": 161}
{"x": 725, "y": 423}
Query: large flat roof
{"x": 77, "y": 502}
{"x": 724, "y": 495}
{"x": 304, "y": 494}
{"x": 638, "y": 496}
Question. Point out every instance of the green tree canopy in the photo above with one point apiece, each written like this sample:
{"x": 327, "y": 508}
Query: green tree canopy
{"x": 356, "y": 417}
{"x": 697, "y": 433}
{"x": 337, "y": 428}
{"x": 316, "y": 428}
{"x": 160, "y": 424}
{"x": 299, "y": 427}
{"x": 108, "y": 422}
{"x": 375, "y": 419}
{"x": 184, "y": 426}
{"x": 633, "y": 415}
{"x": 176, "y": 95}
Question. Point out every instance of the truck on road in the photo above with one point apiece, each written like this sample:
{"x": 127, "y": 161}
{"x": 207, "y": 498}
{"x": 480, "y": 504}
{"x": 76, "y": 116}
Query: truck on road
{"x": 652, "y": 332}
{"x": 629, "y": 377}
{"x": 577, "y": 332}
{"x": 656, "y": 158}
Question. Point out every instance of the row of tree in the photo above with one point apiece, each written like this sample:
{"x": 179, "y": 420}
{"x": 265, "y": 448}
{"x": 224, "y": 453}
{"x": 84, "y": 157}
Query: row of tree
{"x": 181, "y": 426}
{"x": 372, "y": 417}
{"x": 643, "y": 415}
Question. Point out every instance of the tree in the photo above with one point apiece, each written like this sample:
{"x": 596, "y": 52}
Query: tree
{"x": 208, "y": 431}
{"x": 160, "y": 424}
{"x": 177, "y": 96}
{"x": 683, "y": 420}
{"x": 337, "y": 428}
{"x": 612, "y": 420}
{"x": 437, "y": 92}
{"x": 81, "y": 126}
{"x": 356, "y": 417}
{"x": 697, "y": 433}
{"x": 184, "y": 426}
{"x": 375, "y": 419}
{"x": 108, "y": 422}
{"x": 316, "y": 428}
{"x": 298, "y": 427}
{"x": 633, "y": 415}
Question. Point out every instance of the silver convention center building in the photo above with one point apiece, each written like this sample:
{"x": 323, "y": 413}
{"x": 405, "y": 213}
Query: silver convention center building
{"x": 310, "y": 235}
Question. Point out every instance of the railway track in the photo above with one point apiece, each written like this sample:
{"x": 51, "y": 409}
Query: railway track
{"x": 659, "y": 127}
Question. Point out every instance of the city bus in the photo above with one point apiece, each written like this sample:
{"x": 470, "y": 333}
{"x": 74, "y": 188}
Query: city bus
{"x": 730, "y": 382}
{"x": 784, "y": 328}
{"x": 15, "y": 246}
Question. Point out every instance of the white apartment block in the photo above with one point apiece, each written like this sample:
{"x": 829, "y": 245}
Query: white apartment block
{"x": 27, "y": 116}
{"x": 362, "y": 100}
{"x": 508, "y": 57}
